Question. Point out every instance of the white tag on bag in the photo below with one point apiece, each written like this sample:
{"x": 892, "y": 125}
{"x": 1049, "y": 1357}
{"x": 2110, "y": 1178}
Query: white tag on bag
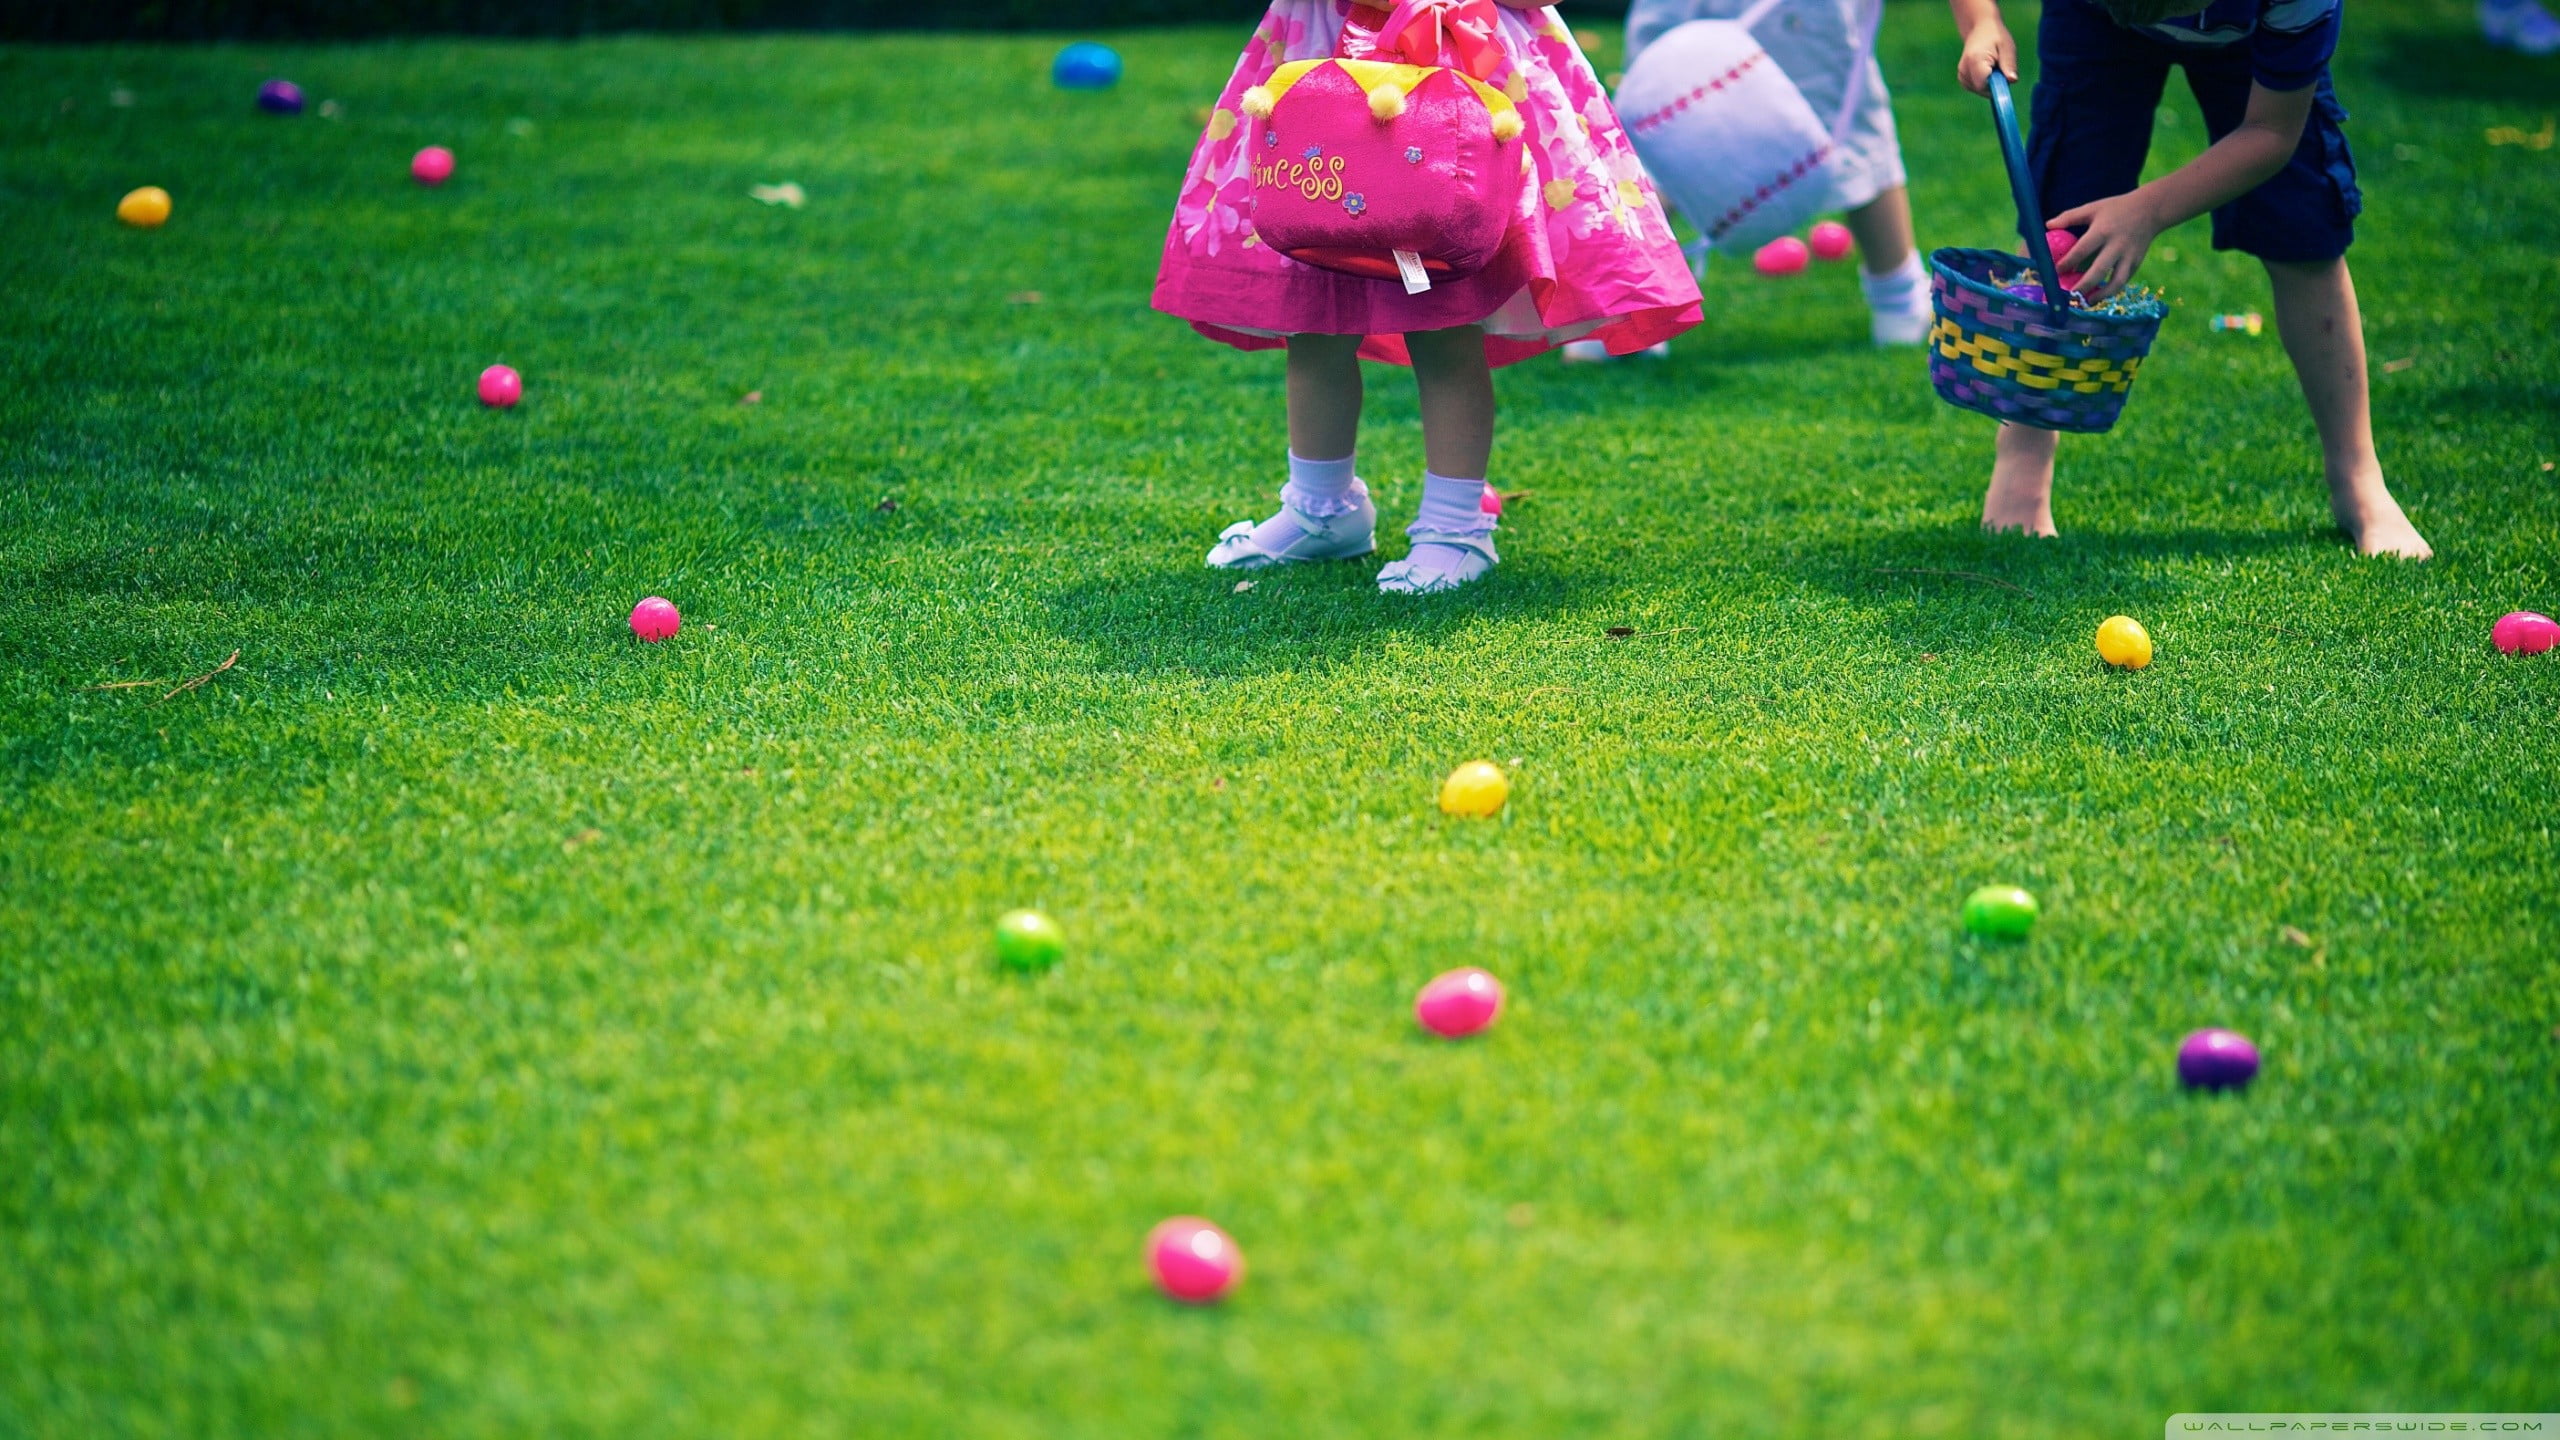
{"x": 1416, "y": 279}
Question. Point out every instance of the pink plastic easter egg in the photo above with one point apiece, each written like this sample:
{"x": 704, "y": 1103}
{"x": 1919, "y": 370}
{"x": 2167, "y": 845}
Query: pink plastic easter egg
{"x": 432, "y": 166}
{"x": 1492, "y": 502}
{"x": 1785, "y": 255}
{"x": 1832, "y": 241}
{"x": 1461, "y": 1002}
{"x": 655, "y": 619}
{"x": 1192, "y": 1260}
{"x": 2060, "y": 243}
{"x": 2524, "y": 632}
{"x": 500, "y": 387}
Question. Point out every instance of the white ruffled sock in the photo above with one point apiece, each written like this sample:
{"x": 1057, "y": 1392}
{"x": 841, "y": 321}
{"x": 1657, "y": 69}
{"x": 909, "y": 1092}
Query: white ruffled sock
{"x": 1320, "y": 488}
{"x": 1449, "y": 507}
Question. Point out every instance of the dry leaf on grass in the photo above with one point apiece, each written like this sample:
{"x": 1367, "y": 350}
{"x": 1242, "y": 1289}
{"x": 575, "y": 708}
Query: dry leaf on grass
{"x": 184, "y": 686}
{"x": 787, "y": 193}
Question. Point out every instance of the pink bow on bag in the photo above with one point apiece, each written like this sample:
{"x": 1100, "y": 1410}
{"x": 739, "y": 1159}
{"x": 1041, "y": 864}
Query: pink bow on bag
{"x": 1454, "y": 33}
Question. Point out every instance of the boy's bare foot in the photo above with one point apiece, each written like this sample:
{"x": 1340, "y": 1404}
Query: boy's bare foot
{"x": 2018, "y": 507}
{"x": 2021, "y": 493}
{"x": 2376, "y": 523}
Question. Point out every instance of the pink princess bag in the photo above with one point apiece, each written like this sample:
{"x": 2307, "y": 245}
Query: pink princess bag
{"x": 1394, "y": 159}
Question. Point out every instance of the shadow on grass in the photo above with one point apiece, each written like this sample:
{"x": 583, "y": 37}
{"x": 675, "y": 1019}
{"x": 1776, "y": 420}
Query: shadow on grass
{"x": 1296, "y": 618}
{"x": 2458, "y": 64}
{"x": 2012, "y": 569}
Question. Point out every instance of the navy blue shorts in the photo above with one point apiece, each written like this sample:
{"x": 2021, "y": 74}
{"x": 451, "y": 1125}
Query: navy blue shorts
{"x": 2098, "y": 86}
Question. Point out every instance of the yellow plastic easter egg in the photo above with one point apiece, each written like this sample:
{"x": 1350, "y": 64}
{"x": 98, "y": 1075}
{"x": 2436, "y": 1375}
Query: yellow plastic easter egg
{"x": 1476, "y": 788}
{"x": 144, "y": 209}
{"x": 2123, "y": 642}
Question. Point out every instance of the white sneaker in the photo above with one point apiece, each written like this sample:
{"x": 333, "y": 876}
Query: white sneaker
{"x": 2520, "y": 25}
{"x": 1353, "y": 533}
{"x": 1902, "y": 327}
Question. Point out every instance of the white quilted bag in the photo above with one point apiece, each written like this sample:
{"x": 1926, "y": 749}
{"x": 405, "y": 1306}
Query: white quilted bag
{"x": 1727, "y": 136}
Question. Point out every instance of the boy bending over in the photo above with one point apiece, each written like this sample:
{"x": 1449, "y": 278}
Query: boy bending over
{"x": 2277, "y": 179}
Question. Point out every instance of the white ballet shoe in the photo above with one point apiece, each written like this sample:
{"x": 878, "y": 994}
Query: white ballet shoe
{"x": 1416, "y": 575}
{"x": 1353, "y": 533}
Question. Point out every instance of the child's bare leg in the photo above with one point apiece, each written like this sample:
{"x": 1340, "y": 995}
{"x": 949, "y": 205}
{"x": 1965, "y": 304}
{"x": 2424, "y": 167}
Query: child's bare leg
{"x": 1324, "y": 396}
{"x": 1325, "y": 512}
{"x": 2021, "y": 493}
{"x": 1457, "y": 400}
{"x": 1882, "y": 227}
{"x": 1889, "y": 269}
{"x": 2323, "y": 332}
{"x": 1452, "y": 536}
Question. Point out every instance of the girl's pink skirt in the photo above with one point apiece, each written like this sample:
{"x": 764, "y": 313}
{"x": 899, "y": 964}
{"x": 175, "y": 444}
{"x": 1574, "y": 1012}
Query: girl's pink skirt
{"x": 1590, "y": 256}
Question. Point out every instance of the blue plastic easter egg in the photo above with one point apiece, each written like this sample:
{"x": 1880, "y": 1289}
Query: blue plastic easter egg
{"x": 1086, "y": 66}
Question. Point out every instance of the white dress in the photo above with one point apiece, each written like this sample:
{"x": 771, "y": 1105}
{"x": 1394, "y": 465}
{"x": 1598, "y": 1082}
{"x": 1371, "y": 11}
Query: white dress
{"x": 1814, "y": 41}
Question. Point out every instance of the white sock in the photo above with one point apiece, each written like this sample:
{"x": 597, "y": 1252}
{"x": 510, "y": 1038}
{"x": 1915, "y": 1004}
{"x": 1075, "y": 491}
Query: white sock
{"x": 1898, "y": 291}
{"x": 1321, "y": 488}
{"x": 1449, "y": 507}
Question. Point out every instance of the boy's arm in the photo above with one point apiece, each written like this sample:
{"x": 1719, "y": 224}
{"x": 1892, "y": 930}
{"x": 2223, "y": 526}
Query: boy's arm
{"x": 2122, "y": 227}
{"x": 1987, "y": 43}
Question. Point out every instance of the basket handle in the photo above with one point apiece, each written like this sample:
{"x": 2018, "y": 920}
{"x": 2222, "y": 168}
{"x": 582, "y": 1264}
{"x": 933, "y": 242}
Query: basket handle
{"x": 2022, "y": 185}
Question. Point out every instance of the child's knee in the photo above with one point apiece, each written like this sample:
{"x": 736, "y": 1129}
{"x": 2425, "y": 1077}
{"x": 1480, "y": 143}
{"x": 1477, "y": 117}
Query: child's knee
{"x": 1460, "y": 347}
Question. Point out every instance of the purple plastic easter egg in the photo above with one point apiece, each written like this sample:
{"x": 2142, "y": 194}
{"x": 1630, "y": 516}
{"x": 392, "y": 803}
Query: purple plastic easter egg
{"x": 1832, "y": 241}
{"x": 2523, "y": 632}
{"x": 500, "y": 387}
{"x": 1192, "y": 1260}
{"x": 2217, "y": 1060}
{"x": 1458, "y": 1003}
{"x": 1785, "y": 255}
{"x": 280, "y": 97}
{"x": 432, "y": 166}
{"x": 655, "y": 619}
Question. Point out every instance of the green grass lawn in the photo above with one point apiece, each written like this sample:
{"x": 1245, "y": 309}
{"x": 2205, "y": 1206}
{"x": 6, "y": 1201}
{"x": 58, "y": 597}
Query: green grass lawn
{"x": 456, "y": 1019}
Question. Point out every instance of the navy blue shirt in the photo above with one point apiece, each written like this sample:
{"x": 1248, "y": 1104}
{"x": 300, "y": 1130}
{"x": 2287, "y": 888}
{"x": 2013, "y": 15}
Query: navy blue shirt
{"x": 2290, "y": 41}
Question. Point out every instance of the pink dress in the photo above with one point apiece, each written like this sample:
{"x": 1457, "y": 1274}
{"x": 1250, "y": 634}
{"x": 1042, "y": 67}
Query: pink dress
{"x": 1591, "y": 254}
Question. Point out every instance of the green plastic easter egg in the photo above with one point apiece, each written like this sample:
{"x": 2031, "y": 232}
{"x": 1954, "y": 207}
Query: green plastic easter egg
{"x": 1029, "y": 940}
{"x": 2002, "y": 912}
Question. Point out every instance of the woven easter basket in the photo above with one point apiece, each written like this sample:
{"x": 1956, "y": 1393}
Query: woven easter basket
{"x": 2017, "y": 359}
{"x": 2035, "y": 359}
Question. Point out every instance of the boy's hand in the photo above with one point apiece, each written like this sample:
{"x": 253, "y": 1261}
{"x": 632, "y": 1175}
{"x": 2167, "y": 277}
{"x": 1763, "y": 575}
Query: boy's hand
{"x": 2119, "y": 235}
{"x": 1987, "y": 46}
